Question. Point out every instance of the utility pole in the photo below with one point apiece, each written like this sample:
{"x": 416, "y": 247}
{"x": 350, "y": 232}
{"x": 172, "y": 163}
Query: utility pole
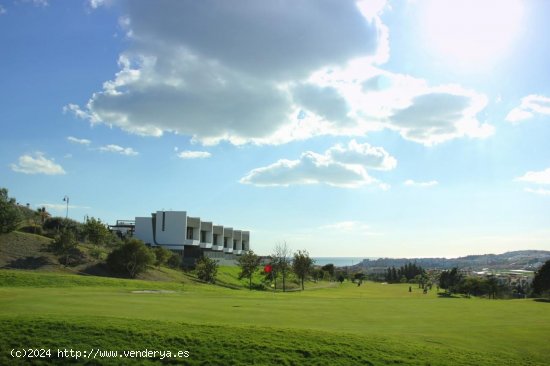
{"x": 66, "y": 199}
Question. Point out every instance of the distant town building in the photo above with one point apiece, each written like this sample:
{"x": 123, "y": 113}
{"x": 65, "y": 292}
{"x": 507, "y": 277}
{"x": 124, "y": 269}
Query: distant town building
{"x": 192, "y": 237}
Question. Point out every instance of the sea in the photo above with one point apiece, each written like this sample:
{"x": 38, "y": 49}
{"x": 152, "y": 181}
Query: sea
{"x": 339, "y": 261}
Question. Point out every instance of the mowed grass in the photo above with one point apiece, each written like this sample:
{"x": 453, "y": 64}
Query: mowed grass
{"x": 345, "y": 325}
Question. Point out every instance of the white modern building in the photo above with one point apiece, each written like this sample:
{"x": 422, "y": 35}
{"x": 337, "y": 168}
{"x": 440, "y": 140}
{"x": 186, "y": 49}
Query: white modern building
{"x": 191, "y": 237}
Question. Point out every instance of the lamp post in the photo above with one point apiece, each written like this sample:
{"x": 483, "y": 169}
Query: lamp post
{"x": 66, "y": 199}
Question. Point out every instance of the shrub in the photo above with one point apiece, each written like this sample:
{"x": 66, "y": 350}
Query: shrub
{"x": 54, "y": 225}
{"x": 161, "y": 255}
{"x": 207, "y": 269}
{"x": 132, "y": 258}
{"x": 174, "y": 261}
{"x": 65, "y": 246}
{"x": 96, "y": 253}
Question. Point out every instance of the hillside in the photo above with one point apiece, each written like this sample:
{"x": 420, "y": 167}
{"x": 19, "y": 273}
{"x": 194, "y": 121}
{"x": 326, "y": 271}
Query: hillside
{"x": 29, "y": 252}
{"x": 521, "y": 259}
{"x": 26, "y": 251}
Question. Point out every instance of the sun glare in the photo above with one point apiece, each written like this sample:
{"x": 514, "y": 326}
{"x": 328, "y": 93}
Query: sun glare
{"x": 471, "y": 33}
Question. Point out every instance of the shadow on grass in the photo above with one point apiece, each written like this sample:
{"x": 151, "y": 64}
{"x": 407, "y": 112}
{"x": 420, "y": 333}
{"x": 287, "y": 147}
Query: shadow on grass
{"x": 101, "y": 270}
{"x": 29, "y": 263}
{"x": 445, "y": 295}
{"x": 542, "y": 300}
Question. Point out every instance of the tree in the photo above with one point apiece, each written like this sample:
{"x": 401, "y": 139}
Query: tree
{"x": 132, "y": 258}
{"x": 161, "y": 255}
{"x": 64, "y": 244}
{"x": 207, "y": 269}
{"x": 450, "y": 280}
{"x": 329, "y": 268}
{"x": 302, "y": 265}
{"x": 96, "y": 232}
{"x": 10, "y": 216}
{"x": 249, "y": 263}
{"x": 281, "y": 261}
{"x": 541, "y": 281}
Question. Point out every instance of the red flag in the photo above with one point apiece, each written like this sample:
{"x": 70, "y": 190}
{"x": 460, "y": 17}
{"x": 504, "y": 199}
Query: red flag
{"x": 268, "y": 268}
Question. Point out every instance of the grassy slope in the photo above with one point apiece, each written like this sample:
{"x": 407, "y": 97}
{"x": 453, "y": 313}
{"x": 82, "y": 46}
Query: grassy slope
{"x": 347, "y": 325}
{"x": 22, "y": 250}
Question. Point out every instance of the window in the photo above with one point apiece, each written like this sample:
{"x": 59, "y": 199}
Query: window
{"x": 203, "y": 236}
{"x": 225, "y": 242}
{"x": 234, "y": 244}
{"x": 215, "y": 239}
{"x": 189, "y": 233}
{"x": 163, "y": 219}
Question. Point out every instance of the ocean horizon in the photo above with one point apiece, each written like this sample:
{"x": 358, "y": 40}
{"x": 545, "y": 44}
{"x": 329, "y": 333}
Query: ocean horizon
{"x": 339, "y": 261}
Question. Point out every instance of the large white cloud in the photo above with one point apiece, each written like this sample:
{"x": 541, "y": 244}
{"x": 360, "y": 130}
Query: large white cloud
{"x": 37, "y": 164}
{"x": 338, "y": 166}
{"x": 530, "y": 106}
{"x": 269, "y": 73}
{"x": 218, "y": 70}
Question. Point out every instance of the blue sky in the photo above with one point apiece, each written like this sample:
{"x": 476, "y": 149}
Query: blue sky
{"x": 368, "y": 128}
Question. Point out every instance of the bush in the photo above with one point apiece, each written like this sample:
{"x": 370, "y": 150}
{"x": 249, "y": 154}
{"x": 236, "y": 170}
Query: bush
{"x": 96, "y": 232}
{"x": 54, "y": 225}
{"x": 161, "y": 255}
{"x": 96, "y": 253}
{"x": 64, "y": 245}
{"x": 132, "y": 258}
{"x": 207, "y": 269}
{"x": 174, "y": 261}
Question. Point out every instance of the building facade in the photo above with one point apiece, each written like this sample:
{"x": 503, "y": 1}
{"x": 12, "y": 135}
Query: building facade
{"x": 192, "y": 237}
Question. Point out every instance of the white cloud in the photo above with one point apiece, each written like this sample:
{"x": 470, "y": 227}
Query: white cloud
{"x": 2, "y": 10}
{"x": 119, "y": 150}
{"x": 338, "y": 166}
{"x": 440, "y": 115}
{"x": 363, "y": 155}
{"x": 78, "y": 141}
{"x": 193, "y": 154}
{"x": 378, "y": 99}
{"x": 539, "y": 191}
{"x": 237, "y": 72}
{"x": 530, "y": 106}
{"x": 226, "y": 71}
{"x": 540, "y": 177}
{"x": 412, "y": 183}
{"x": 37, "y": 164}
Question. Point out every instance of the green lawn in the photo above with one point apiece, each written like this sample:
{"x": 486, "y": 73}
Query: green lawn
{"x": 344, "y": 325}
